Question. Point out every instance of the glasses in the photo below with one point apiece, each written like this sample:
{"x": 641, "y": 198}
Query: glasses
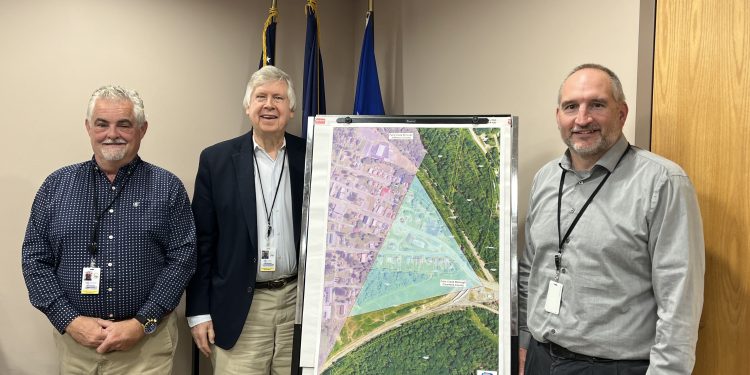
{"x": 275, "y": 99}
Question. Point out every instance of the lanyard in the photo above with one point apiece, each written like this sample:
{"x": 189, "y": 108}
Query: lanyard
{"x": 93, "y": 245}
{"x": 560, "y": 237}
{"x": 265, "y": 206}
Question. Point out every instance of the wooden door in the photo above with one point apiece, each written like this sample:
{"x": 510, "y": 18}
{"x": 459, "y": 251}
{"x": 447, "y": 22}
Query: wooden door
{"x": 701, "y": 120}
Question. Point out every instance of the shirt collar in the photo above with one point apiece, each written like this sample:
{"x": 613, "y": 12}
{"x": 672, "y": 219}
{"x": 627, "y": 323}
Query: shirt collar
{"x": 127, "y": 167}
{"x": 608, "y": 161}
{"x": 257, "y": 147}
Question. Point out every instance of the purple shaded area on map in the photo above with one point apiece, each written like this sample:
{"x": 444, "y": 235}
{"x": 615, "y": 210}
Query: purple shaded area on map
{"x": 371, "y": 172}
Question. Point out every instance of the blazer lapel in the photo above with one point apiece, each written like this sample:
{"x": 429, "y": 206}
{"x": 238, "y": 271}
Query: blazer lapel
{"x": 245, "y": 172}
{"x": 296, "y": 152}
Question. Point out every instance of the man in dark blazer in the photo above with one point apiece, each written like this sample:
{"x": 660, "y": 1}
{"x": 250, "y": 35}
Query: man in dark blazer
{"x": 247, "y": 206}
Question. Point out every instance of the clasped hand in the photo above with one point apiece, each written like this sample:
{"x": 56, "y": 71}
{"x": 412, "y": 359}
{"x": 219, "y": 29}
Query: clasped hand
{"x": 105, "y": 335}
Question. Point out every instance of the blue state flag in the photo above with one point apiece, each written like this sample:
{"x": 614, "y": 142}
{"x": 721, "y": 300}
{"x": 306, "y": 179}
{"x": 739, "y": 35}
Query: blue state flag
{"x": 313, "y": 90}
{"x": 268, "y": 55}
{"x": 367, "y": 99}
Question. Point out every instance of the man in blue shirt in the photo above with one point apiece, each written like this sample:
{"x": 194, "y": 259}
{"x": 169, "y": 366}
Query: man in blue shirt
{"x": 110, "y": 247}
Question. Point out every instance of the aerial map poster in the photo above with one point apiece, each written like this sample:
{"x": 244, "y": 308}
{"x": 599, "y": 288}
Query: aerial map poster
{"x": 408, "y": 264}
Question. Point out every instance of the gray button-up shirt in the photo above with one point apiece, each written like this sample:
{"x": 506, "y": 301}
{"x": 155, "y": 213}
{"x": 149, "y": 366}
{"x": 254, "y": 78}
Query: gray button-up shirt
{"x": 632, "y": 270}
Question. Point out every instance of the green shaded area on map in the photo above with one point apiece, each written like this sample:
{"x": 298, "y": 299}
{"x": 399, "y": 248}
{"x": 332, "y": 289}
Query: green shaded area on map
{"x": 419, "y": 259}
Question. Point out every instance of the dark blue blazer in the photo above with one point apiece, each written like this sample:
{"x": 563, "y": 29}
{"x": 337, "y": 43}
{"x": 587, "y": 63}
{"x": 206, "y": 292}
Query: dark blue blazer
{"x": 226, "y": 228}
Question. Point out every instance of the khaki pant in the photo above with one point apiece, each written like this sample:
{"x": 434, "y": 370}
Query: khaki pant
{"x": 151, "y": 356}
{"x": 265, "y": 344}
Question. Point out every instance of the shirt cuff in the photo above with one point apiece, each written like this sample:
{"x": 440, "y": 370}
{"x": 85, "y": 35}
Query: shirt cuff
{"x": 198, "y": 319}
{"x": 61, "y": 314}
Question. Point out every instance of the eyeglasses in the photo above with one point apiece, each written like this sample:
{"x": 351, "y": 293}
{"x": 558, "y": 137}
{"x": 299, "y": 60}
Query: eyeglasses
{"x": 275, "y": 99}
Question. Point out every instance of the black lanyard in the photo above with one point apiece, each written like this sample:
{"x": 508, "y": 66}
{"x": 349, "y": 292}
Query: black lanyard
{"x": 560, "y": 237}
{"x": 265, "y": 206}
{"x": 93, "y": 245}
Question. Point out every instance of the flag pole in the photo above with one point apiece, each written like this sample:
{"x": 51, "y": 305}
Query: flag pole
{"x": 370, "y": 6}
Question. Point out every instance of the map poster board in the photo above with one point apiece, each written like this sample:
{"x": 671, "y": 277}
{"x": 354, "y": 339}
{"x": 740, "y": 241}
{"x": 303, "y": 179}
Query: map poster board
{"x": 408, "y": 261}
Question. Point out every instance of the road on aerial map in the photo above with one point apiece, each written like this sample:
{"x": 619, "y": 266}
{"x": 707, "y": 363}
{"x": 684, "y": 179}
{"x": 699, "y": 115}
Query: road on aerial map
{"x": 450, "y": 302}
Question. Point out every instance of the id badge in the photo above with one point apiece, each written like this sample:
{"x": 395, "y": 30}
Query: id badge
{"x": 90, "y": 280}
{"x": 268, "y": 259}
{"x": 554, "y": 297}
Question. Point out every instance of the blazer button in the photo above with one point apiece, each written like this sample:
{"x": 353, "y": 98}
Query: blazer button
{"x": 249, "y": 289}
{"x": 255, "y": 260}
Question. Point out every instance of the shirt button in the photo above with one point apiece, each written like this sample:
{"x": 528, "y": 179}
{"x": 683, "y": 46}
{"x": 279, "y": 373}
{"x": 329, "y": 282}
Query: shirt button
{"x": 553, "y": 331}
{"x": 114, "y": 188}
{"x": 109, "y": 289}
{"x": 109, "y": 264}
{"x": 111, "y": 210}
{"x": 110, "y": 236}
{"x": 111, "y": 315}
{"x": 580, "y": 182}
{"x": 563, "y": 270}
{"x": 255, "y": 260}
{"x": 249, "y": 289}
{"x": 572, "y": 210}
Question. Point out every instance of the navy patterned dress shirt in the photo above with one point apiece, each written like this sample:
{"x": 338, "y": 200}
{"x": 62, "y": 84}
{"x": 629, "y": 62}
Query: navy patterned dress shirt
{"x": 145, "y": 243}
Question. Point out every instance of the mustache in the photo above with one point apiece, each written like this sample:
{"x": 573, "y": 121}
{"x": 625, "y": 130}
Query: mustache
{"x": 583, "y": 129}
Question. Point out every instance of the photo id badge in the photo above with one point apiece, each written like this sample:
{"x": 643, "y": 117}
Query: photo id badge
{"x": 90, "y": 280}
{"x": 268, "y": 259}
{"x": 554, "y": 297}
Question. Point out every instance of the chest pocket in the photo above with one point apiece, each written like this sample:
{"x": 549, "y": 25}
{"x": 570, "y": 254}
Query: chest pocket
{"x": 148, "y": 215}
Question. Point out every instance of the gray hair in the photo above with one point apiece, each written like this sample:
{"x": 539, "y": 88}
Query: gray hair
{"x": 616, "y": 85}
{"x": 112, "y": 92}
{"x": 267, "y": 74}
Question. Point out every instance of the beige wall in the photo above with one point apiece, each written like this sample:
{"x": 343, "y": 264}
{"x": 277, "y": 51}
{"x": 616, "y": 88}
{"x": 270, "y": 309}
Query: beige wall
{"x": 501, "y": 57}
{"x": 190, "y": 60}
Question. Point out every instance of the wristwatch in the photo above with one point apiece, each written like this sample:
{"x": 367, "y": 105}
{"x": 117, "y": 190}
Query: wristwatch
{"x": 149, "y": 325}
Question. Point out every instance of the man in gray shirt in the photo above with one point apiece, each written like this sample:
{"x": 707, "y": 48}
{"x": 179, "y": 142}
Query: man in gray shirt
{"x": 611, "y": 280}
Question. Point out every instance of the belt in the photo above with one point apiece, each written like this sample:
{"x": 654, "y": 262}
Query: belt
{"x": 559, "y": 351}
{"x": 275, "y": 284}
